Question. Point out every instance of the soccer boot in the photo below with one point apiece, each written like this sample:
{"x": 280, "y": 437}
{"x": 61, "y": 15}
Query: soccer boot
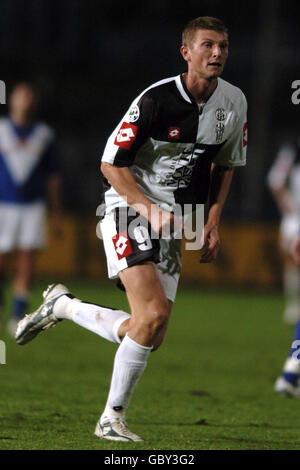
{"x": 43, "y": 318}
{"x": 115, "y": 429}
{"x": 285, "y": 388}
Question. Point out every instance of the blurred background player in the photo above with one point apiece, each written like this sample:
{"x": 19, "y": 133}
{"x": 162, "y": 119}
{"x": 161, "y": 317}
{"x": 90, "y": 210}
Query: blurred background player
{"x": 28, "y": 170}
{"x": 284, "y": 182}
{"x": 288, "y": 383}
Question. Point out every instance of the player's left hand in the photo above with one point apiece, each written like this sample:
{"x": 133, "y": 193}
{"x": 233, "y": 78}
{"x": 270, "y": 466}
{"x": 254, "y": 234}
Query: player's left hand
{"x": 211, "y": 244}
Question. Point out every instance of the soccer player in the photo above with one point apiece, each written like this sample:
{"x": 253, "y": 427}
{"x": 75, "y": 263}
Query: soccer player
{"x": 177, "y": 144}
{"x": 284, "y": 182}
{"x": 288, "y": 383}
{"x": 28, "y": 164}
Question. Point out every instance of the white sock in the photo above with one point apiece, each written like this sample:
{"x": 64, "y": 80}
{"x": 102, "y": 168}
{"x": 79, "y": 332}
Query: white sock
{"x": 103, "y": 321}
{"x": 130, "y": 362}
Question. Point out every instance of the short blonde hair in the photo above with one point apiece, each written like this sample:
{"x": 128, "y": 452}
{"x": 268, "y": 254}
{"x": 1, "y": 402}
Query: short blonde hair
{"x": 202, "y": 22}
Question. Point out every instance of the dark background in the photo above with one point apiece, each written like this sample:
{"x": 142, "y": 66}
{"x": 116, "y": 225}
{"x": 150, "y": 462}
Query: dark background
{"x": 92, "y": 58}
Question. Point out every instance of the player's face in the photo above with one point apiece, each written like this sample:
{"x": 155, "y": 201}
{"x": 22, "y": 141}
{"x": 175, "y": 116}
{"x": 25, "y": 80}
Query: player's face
{"x": 22, "y": 99}
{"x": 208, "y": 53}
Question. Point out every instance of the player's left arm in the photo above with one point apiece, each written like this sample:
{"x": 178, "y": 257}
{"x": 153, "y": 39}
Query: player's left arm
{"x": 54, "y": 187}
{"x": 221, "y": 177}
{"x": 232, "y": 154}
{"x": 295, "y": 249}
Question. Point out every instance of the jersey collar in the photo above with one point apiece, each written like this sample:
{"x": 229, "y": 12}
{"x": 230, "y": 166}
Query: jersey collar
{"x": 188, "y": 96}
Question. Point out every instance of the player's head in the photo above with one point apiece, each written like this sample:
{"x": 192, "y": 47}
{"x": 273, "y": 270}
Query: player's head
{"x": 205, "y": 46}
{"x": 23, "y": 99}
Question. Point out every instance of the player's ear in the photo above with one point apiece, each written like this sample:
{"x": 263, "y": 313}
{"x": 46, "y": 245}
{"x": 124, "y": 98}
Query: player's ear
{"x": 185, "y": 52}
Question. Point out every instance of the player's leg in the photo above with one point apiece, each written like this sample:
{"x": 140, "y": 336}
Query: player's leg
{"x": 288, "y": 383}
{"x": 150, "y": 310}
{"x": 22, "y": 283}
{"x": 30, "y": 238}
{"x": 151, "y": 291}
{"x": 291, "y": 273}
{"x": 9, "y": 226}
{"x": 291, "y": 286}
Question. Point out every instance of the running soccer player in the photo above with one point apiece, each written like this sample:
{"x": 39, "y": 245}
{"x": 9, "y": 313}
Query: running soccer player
{"x": 28, "y": 163}
{"x": 284, "y": 182}
{"x": 288, "y": 384}
{"x": 177, "y": 144}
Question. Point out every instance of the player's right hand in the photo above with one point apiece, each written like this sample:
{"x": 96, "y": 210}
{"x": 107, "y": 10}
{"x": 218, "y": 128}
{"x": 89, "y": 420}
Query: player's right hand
{"x": 163, "y": 222}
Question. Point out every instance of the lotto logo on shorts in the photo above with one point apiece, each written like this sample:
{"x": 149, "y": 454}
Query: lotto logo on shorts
{"x": 126, "y": 135}
{"x": 122, "y": 245}
{"x": 174, "y": 133}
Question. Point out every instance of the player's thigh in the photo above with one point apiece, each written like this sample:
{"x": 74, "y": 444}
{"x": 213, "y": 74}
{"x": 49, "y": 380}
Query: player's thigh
{"x": 150, "y": 308}
{"x": 143, "y": 284}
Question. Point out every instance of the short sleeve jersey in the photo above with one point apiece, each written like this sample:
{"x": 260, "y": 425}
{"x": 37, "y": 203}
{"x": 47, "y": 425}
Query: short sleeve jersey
{"x": 169, "y": 141}
{"x": 28, "y": 156}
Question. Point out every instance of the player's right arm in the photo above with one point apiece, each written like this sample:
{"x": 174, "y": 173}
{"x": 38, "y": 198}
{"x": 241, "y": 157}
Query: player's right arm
{"x": 119, "y": 155}
{"x": 124, "y": 183}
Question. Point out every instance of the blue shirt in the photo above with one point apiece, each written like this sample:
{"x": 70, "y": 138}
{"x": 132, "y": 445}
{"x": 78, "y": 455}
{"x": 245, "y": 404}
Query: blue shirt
{"x": 28, "y": 156}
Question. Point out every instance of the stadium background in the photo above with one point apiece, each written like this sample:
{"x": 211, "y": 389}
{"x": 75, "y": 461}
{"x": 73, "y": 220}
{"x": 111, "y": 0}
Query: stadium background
{"x": 91, "y": 58}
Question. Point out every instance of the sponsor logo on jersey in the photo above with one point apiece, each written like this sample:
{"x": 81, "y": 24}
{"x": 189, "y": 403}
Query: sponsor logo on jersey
{"x": 122, "y": 244}
{"x": 134, "y": 113}
{"x": 245, "y": 134}
{"x": 173, "y": 133}
{"x": 126, "y": 135}
{"x": 221, "y": 114}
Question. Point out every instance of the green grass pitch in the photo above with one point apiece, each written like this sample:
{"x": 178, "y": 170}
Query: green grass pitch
{"x": 210, "y": 386}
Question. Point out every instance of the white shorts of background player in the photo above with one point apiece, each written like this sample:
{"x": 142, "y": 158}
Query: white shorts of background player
{"x": 22, "y": 226}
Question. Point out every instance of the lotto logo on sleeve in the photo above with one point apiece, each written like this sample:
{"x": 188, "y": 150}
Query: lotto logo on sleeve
{"x": 174, "y": 133}
{"x": 122, "y": 244}
{"x": 126, "y": 135}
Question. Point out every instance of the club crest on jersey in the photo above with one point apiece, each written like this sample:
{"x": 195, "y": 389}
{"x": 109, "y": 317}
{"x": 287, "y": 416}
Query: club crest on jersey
{"x": 221, "y": 114}
{"x": 173, "y": 133}
{"x": 220, "y": 128}
{"x": 134, "y": 113}
{"x": 122, "y": 244}
{"x": 126, "y": 135}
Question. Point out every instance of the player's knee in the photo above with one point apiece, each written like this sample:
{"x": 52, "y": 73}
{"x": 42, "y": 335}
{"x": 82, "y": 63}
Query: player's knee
{"x": 156, "y": 318}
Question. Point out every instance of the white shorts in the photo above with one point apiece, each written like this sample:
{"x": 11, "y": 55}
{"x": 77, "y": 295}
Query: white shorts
{"x": 22, "y": 226}
{"x": 289, "y": 228}
{"x": 123, "y": 251}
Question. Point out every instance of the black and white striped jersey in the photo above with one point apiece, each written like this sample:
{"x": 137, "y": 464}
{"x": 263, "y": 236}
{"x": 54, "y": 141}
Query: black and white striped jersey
{"x": 169, "y": 141}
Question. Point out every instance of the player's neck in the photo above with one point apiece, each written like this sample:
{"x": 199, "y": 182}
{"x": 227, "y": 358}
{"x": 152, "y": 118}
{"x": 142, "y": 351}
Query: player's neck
{"x": 20, "y": 118}
{"x": 200, "y": 88}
